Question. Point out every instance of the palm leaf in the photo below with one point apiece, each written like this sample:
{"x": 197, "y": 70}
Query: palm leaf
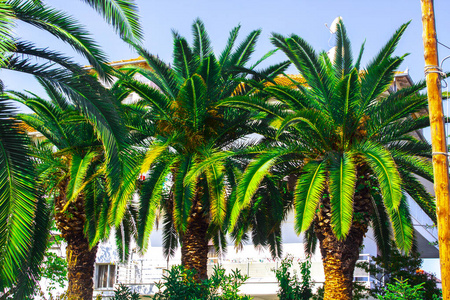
{"x": 309, "y": 188}
{"x": 31, "y": 271}
{"x": 202, "y": 45}
{"x": 216, "y": 186}
{"x": 192, "y": 98}
{"x": 250, "y": 181}
{"x": 6, "y": 39}
{"x": 152, "y": 155}
{"x": 342, "y": 190}
{"x": 151, "y": 194}
{"x": 244, "y": 51}
{"x": 343, "y": 61}
{"x": 381, "y": 226}
{"x": 383, "y": 166}
{"x": 162, "y": 74}
{"x": 17, "y": 196}
{"x": 122, "y": 15}
{"x": 65, "y": 28}
{"x": 205, "y": 164}
{"x": 402, "y": 225}
{"x": 78, "y": 170}
{"x": 183, "y": 195}
{"x": 170, "y": 236}
{"x": 225, "y": 55}
{"x": 184, "y": 63}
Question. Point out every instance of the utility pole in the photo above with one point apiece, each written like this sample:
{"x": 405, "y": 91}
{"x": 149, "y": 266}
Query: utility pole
{"x": 438, "y": 141}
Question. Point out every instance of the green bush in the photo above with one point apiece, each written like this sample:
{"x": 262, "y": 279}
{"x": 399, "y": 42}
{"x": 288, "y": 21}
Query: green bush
{"x": 180, "y": 284}
{"x": 401, "y": 290}
{"x": 124, "y": 293}
{"x": 291, "y": 288}
{"x": 388, "y": 270}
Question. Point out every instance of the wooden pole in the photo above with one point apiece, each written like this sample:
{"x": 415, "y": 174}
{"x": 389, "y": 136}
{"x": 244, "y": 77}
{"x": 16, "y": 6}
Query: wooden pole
{"x": 438, "y": 141}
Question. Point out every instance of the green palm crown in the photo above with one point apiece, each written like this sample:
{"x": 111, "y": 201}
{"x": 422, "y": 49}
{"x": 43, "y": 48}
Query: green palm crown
{"x": 178, "y": 116}
{"x": 341, "y": 132}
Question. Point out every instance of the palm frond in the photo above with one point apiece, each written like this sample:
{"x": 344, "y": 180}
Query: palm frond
{"x": 250, "y": 181}
{"x": 244, "y": 51}
{"x": 309, "y": 188}
{"x": 384, "y": 168}
{"x": 153, "y": 152}
{"x": 389, "y": 48}
{"x": 202, "y": 44}
{"x": 342, "y": 189}
{"x": 402, "y": 225}
{"x": 150, "y": 95}
{"x": 307, "y": 62}
{"x": 17, "y": 196}
{"x": 217, "y": 197}
{"x": 343, "y": 61}
{"x": 192, "y": 97}
{"x": 6, "y": 38}
{"x": 64, "y": 27}
{"x": 381, "y": 226}
{"x": 151, "y": 194}
{"x": 78, "y": 170}
{"x": 162, "y": 74}
{"x": 183, "y": 195}
{"x": 225, "y": 55}
{"x": 170, "y": 236}
{"x": 205, "y": 164}
{"x": 30, "y": 272}
{"x": 419, "y": 194}
{"x": 122, "y": 15}
{"x": 184, "y": 62}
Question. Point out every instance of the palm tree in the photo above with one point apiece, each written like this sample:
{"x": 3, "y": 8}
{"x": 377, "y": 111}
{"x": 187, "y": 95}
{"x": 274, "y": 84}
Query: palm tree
{"x": 180, "y": 120}
{"x": 72, "y": 167}
{"x": 348, "y": 142}
{"x": 23, "y": 212}
{"x": 18, "y": 245}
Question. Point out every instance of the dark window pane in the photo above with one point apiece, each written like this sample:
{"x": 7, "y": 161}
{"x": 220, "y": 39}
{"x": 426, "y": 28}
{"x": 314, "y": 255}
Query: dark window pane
{"x": 102, "y": 278}
{"x": 112, "y": 275}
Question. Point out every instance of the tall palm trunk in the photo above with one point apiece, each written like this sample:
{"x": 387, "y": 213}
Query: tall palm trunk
{"x": 194, "y": 248}
{"x": 80, "y": 258}
{"x": 339, "y": 257}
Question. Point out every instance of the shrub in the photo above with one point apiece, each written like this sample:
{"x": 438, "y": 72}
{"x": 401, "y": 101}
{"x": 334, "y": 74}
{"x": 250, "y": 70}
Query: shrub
{"x": 180, "y": 284}
{"x": 124, "y": 293}
{"x": 291, "y": 288}
{"x": 388, "y": 270}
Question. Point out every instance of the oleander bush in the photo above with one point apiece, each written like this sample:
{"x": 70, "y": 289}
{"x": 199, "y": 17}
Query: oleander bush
{"x": 181, "y": 284}
{"x": 291, "y": 286}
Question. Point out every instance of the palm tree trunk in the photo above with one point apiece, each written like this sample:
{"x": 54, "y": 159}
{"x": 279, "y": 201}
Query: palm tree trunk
{"x": 80, "y": 258}
{"x": 194, "y": 248}
{"x": 339, "y": 257}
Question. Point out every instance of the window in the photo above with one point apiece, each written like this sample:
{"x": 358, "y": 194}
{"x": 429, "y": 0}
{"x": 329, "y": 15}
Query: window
{"x": 361, "y": 279}
{"x": 106, "y": 276}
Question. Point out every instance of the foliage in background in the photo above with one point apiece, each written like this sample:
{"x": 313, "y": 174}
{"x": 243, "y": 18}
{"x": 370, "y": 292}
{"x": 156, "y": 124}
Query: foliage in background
{"x": 180, "y": 284}
{"x": 396, "y": 266}
{"x": 291, "y": 288}
{"x": 55, "y": 269}
{"x": 402, "y": 290}
{"x": 124, "y": 293}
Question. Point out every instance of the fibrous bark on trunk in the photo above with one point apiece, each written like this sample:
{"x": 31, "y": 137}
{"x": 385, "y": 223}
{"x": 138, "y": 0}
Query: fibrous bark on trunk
{"x": 194, "y": 248}
{"x": 339, "y": 256}
{"x": 80, "y": 258}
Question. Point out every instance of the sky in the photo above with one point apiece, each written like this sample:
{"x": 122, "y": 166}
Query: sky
{"x": 373, "y": 21}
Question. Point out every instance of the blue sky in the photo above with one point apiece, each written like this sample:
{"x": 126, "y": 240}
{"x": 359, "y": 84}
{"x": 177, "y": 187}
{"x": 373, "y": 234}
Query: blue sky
{"x": 373, "y": 21}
